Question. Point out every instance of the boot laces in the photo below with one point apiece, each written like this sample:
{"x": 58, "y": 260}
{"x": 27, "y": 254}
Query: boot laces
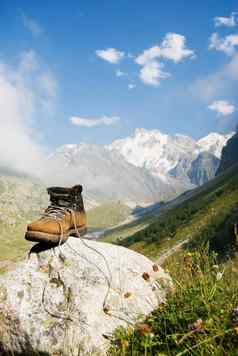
{"x": 55, "y": 212}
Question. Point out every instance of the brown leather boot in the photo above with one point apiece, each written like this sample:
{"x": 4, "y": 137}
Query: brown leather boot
{"x": 65, "y": 216}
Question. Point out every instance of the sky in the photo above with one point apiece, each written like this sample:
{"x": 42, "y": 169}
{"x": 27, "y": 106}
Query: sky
{"x": 93, "y": 71}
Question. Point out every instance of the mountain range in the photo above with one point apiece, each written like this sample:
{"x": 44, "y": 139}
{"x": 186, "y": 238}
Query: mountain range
{"x": 143, "y": 168}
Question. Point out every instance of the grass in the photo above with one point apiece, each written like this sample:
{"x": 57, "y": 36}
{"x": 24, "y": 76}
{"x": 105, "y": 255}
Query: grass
{"x": 200, "y": 317}
{"x": 21, "y": 201}
{"x": 194, "y": 218}
{"x": 108, "y": 214}
{"x": 117, "y": 234}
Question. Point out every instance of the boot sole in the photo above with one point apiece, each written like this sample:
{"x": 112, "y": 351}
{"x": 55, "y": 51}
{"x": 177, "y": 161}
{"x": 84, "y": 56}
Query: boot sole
{"x": 37, "y": 236}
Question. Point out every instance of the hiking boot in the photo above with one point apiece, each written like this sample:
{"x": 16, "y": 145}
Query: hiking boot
{"x": 65, "y": 216}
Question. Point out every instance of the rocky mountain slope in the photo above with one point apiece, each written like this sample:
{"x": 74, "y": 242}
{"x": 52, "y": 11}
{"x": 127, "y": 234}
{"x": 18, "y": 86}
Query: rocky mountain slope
{"x": 203, "y": 168}
{"x": 229, "y": 155}
{"x": 146, "y": 167}
{"x": 106, "y": 174}
{"x": 163, "y": 155}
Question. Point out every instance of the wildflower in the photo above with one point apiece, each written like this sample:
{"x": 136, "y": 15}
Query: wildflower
{"x": 124, "y": 344}
{"x": 215, "y": 267}
{"x": 209, "y": 322}
{"x": 144, "y": 329}
{"x": 198, "y": 326}
{"x": 219, "y": 276}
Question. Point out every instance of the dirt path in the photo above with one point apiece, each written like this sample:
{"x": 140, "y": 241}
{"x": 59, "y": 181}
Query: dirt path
{"x": 171, "y": 251}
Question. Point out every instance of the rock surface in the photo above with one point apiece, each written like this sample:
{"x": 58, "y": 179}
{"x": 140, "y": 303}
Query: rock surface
{"x": 65, "y": 300}
{"x": 229, "y": 154}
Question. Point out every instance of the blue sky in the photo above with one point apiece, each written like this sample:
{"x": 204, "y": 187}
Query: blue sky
{"x": 71, "y": 87}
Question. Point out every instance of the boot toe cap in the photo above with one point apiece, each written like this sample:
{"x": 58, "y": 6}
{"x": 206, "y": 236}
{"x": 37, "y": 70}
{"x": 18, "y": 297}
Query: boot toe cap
{"x": 44, "y": 226}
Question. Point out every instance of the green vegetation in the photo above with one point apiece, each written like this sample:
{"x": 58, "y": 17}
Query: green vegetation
{"x": 117, "y": 234}
{"x": 21, "y": 201}
{"x": 197, "y": 219}
{"x": 108, "y": 214}
{"x": 201, "y": 315}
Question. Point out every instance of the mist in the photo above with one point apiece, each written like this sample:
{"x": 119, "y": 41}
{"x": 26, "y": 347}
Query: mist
{"x": 26, "y": 90}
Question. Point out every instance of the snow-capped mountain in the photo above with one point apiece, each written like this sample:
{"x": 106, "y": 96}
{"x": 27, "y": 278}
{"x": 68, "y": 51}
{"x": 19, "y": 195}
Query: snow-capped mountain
{"x": 147, "y": 166}
{"x": 214, "y": 143}
{"x": 106, "y": 174}
{"x": 164, "y": 155}
{"x": 157, "y": 152}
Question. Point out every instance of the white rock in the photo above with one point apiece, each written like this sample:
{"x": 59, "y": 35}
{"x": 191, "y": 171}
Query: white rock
{"x": 65, "y": 299}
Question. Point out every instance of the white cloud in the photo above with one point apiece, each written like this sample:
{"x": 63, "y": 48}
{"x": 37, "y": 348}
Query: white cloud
{"x": 23, "y": 98}
{"x": 31, "y": 25}
{"x": 152, "y": 73}
{"x": 222, "y": 82}
{"x": 173, "y": 47}
{"x": 148, "y": 55}
{"x": 93, "y": 122}
{"x": 226, "y": 45}
{"x": 38, "y": 79}
{"x": 120, "y": 73}
{"x": 222, "y": 107}
{"x": 229, "y": 21}
{"x": 110, "y": 55}
{"x": 131, "y": 86}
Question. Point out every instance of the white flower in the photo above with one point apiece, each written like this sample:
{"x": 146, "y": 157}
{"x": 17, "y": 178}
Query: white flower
{"x": 219, "y": 276}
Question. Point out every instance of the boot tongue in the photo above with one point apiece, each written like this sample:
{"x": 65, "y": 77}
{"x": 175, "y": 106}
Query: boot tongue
{"x": 66, "y": 197}
{"x": 62, "y": 203}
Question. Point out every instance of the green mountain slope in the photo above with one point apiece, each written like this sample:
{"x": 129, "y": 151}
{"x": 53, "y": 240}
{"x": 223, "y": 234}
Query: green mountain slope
{"x": 197, "y": 219}
{"x": 108, "y": 214}
{"x": 201, "y": 314}
{"x": 21, "y": 201}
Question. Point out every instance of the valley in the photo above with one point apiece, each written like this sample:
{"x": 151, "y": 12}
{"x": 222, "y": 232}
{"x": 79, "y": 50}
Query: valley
{"x": 134, "y": 185}
{"x": 193, "y": 236}
{"x": 147, "y": 167}
{"x": 197, "y": 243}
